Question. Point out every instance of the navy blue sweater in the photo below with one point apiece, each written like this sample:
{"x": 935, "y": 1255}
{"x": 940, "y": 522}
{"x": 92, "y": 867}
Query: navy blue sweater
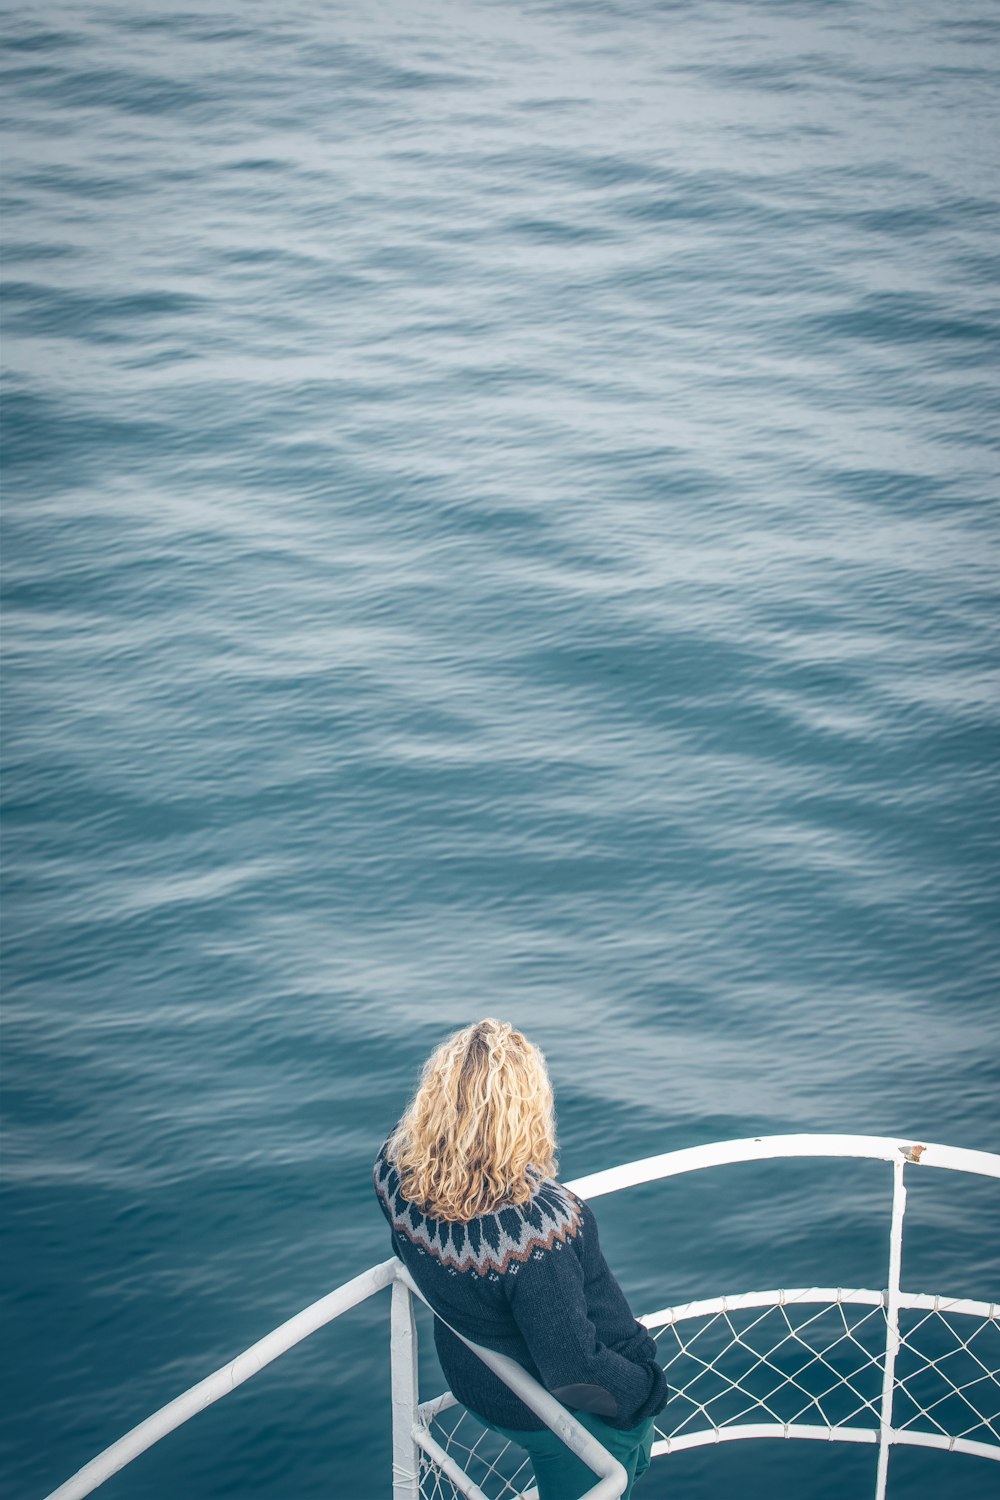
{"x": 529, "y": 1281}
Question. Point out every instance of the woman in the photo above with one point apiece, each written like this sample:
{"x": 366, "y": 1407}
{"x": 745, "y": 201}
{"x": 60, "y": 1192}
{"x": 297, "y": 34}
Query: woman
{"x": 510, "y": 1258}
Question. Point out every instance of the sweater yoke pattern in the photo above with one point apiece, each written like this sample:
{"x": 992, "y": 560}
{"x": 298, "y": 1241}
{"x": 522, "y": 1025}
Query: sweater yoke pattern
{"x": 492, "y": 1244}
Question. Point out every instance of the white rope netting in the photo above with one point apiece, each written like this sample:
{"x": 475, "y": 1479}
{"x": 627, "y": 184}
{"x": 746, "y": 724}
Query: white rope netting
{"x": 948, "y": 1375}
{"x": 806, "y": 1363}
{"x": 815, "y": 1359}
{"x": 499, "y": 1469}
{"x": 782, "y": 1363}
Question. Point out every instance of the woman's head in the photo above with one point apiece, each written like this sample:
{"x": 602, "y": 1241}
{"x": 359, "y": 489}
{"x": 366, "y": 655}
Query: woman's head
{"x": 480, "y": 1130}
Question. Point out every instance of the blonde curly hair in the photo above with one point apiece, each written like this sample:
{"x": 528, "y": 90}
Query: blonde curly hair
{"x": 480, "y": 1130}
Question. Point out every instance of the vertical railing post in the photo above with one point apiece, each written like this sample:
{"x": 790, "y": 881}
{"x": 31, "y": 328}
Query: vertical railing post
{"x": 891, "y": 1328}
{"x": 405, "y": 1395}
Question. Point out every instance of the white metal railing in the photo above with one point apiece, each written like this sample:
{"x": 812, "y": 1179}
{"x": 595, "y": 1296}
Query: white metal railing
{"x": 814, "y": 1362}
{"x": 879, "y": 1367}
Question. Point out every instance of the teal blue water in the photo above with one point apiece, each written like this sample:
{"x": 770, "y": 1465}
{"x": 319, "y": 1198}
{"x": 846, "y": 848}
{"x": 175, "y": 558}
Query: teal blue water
{"x": 499, "y": 518}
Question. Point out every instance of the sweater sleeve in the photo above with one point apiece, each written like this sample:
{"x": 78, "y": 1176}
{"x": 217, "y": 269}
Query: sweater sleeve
{"x": 607, "y": 1304}
{"x": 547, "y": 1298}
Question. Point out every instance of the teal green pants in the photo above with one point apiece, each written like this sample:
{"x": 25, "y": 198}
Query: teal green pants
{"x": 560, "y": 1475}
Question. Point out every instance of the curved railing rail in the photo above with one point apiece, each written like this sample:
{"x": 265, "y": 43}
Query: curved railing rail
{"x": 786, "y": 1147}
{"x": 224, "y": 1380}
{"x": 784, "y": 1350}
{"x": 411, "y": 1435}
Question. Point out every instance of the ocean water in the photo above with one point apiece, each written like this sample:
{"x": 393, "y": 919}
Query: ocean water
{"x": 499, "y": 518}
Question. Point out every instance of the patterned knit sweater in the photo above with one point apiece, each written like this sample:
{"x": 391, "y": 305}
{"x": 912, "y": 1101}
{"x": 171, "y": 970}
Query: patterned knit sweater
{"x": 529, "y": 1281}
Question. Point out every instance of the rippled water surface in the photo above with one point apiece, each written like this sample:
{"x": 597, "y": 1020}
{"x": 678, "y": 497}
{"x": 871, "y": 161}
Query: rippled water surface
{"x": 498, "y": 519}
